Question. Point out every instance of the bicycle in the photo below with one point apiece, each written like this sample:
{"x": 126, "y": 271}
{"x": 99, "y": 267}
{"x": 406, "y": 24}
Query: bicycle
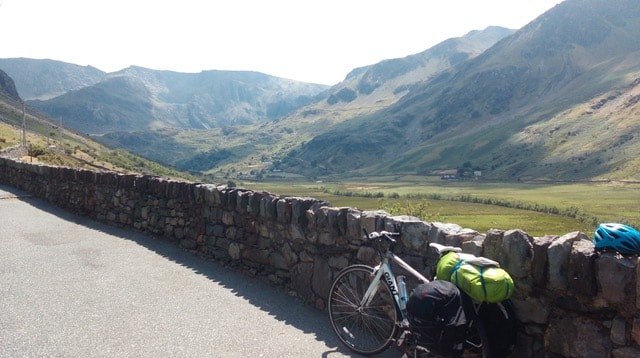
{"x": 367, "y": 305}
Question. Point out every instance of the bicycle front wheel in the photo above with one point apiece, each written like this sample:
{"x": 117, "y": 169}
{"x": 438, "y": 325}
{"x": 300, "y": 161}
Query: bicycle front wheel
{"x": 366, "y": 329}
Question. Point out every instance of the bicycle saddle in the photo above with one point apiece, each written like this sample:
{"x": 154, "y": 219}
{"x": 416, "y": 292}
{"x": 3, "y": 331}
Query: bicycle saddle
{"x": 442, "y": 249}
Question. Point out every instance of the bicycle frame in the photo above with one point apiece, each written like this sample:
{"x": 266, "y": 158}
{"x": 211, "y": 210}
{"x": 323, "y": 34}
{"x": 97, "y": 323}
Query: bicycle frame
{"x": 355, "y": 314}
{"x": 384, "y": 270}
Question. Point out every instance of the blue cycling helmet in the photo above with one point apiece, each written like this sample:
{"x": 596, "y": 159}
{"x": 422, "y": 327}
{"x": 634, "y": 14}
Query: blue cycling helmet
{"x": 619, "y": 237}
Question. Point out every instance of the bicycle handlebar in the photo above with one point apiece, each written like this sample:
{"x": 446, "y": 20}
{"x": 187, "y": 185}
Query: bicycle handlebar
{"x": 381, "y": 235}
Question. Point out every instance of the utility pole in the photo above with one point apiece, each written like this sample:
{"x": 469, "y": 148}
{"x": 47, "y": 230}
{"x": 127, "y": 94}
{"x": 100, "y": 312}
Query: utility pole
{"x": 24, "y": 127}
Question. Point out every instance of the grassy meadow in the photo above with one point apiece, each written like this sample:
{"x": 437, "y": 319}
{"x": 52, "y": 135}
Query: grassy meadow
{"x": 538, "y": 209}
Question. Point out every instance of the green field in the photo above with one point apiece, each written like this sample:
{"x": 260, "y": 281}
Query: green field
{"x": 538, "y": 209}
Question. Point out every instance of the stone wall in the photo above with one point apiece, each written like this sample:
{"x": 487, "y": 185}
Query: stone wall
{"x": 570, "y": 300}
{"x": 18, "y": 151}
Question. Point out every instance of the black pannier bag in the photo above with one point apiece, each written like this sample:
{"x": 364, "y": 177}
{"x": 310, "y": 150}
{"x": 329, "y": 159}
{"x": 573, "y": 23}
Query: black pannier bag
{"x": 436, "y": 315}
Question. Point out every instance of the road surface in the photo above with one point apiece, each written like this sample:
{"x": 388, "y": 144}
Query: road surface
{"x": 72, "y": 287}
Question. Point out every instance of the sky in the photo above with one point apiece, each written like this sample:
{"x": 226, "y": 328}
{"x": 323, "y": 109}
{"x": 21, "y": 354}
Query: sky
{"x": 318, "y": 41}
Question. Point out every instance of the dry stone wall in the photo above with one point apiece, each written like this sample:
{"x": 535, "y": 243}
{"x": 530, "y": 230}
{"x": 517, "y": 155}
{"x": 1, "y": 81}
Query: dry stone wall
{"x": 14, "y": 152}
{"x": 570, "y": 301}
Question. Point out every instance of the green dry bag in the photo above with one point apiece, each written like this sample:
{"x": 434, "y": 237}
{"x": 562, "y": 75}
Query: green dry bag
{"x": 448, "y": 262}
{"x": 480, "y": 278}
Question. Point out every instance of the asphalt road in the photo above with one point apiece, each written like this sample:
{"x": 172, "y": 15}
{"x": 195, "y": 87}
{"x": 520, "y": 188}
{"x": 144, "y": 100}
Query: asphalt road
{"x": 71, "y": 287}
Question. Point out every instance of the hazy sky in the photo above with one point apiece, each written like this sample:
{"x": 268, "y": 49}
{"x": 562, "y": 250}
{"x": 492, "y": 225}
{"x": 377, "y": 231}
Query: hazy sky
{"x": 308, "y": 40}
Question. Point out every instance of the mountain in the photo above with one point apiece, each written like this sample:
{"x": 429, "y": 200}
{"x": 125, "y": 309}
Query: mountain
{"x": 124, "y": 103}
{"x": 49, "y": 143}
{"x": 365, "y": 90}
{"x": 139, "y": 109}
{"x": 401, "y": 72}
{"x": 45, "y": 79}
{"x": 8, "y": 87}
{"x": 137, "y": 99}
{"x": 557, "y": 100}
{"x": 370, "y": 88}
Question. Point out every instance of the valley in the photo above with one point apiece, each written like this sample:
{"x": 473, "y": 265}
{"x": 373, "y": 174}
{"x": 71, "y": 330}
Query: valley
{"x": 537, "y": 208}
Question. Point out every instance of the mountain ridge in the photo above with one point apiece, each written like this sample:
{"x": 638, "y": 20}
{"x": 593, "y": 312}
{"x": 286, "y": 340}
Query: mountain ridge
{"x": 45, "y": 79}
{"x": 482, "y": 96}
{"x": 8, "y": 87}
{"x": 85, "y": 98}
{"x": 181, "y": 100}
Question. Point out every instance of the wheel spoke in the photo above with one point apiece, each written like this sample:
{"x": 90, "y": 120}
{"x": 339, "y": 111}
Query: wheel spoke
{"x": 366, "y": 330}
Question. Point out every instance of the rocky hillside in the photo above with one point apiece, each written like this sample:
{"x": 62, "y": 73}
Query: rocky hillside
{"x": 398, "y": 75}
{"x": 45, "y": 79}
{"x": 555, "y": 100}
{"x": 49, "y": 143}
{"x": 370, "y": 88}
{"x": 137, "y": 99}
{"x": 8, "y": 87}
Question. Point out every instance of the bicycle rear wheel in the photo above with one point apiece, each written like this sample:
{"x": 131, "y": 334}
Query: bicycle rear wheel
{"x": 365, "y": 330}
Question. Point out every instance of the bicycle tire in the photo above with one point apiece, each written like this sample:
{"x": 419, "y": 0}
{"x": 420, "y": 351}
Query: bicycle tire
{"x": 498, "y": 329}
{"x": 481, "y": 343}
{"x": 486, "y": 348}
{"x": 365, "y": 330}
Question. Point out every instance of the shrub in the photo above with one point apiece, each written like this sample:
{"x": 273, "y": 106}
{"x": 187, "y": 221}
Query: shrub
{"x": 36, "y": 150}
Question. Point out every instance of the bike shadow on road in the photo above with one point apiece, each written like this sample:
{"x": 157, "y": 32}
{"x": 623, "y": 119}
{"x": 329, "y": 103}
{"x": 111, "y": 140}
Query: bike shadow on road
{"x": 280, "y": 304}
